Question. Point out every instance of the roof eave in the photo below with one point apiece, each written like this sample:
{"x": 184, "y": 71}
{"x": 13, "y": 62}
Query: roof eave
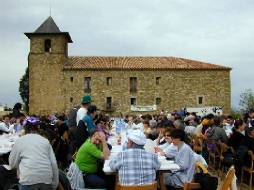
{"x": 29, "y": 34}
{"x": 146, "y": 69}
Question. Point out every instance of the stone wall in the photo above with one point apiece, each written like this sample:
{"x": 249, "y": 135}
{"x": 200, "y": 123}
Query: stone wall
{"x": 177, "y": 88}
{"x": 46, "y": 76}
{"x": 52, "y": 89}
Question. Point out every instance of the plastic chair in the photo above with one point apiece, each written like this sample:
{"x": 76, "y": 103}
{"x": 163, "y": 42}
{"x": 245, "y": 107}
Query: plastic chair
{"x": 152, "y": 186}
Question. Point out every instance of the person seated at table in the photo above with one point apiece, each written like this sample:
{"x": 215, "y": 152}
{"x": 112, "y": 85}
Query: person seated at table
{"x": 147, "y": 129}
{"x": 33, "y": 155}
{"x": 184, "y": 159}
{"x": 94, "y": 149}
{"x": 237, "y": 136}
{"x": 167, "y": 149}
{"x": 103, "y": 124}
{"x": 5, "y": 126}
{"x": 7, "y": 177}
{"x": 135, "y": 166}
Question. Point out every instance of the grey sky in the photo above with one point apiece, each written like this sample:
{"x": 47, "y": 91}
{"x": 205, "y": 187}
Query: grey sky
{"x": 213, "y": 31}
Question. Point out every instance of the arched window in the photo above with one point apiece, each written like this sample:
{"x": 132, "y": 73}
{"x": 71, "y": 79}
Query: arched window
{"x": 47, "y": 45}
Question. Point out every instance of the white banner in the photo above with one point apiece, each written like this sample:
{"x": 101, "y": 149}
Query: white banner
{"x": 143, "y": 108}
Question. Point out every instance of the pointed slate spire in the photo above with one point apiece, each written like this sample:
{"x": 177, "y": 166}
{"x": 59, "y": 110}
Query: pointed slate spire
{"x": 48, "y": 26}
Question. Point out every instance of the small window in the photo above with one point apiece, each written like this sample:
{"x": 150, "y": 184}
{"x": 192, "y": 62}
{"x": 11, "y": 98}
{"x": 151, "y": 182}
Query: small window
{"x": 158, "y": 101}
{"x": 133, "y": 84}
{"x": 133, "y": 101}
{"x": 109, "y": 81}
{"x": 109, "y": 103}
{"x": 71, "y": 78}
{"x": 71, "y": 99}
{"x": 47, "y": 45}
{"x": 200, "y": 100}
{"x": 87, "y": 88}
{"x": 158, "y": 80}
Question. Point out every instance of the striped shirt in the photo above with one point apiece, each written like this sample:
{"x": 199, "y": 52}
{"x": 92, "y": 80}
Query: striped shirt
{"x": 135, "y": 166}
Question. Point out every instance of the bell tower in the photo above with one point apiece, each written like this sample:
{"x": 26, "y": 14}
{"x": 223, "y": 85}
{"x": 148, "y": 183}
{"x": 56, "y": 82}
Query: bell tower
{"x": 47, "y": 55}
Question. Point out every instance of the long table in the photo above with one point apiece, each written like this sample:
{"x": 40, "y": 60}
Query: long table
{"x": 166, "y": 165}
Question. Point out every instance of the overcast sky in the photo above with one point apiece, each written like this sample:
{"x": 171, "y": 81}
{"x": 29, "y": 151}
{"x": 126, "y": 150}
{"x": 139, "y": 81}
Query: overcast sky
{"x": 214, "y": 31}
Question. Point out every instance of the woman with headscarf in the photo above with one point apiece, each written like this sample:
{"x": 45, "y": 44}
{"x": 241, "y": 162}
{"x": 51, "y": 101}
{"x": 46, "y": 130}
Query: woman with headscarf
{"x": 33, "y": 156}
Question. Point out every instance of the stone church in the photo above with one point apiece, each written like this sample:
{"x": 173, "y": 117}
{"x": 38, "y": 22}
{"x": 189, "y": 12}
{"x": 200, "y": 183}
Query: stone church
{"x": 57, "y": 81}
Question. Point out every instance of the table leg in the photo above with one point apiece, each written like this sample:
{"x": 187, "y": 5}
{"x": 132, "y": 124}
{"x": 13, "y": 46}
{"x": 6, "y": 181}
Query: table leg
{"x": 161, "y": 179}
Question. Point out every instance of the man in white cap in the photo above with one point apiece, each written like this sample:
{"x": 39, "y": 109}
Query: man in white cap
{"x": 135, "y": 166}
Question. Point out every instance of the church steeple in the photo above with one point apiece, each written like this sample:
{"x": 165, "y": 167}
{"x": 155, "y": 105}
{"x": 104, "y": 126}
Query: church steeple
{"x": 47, "y": 55}
{"x": 48, "y": 38}
{"x": 49, "y": 27}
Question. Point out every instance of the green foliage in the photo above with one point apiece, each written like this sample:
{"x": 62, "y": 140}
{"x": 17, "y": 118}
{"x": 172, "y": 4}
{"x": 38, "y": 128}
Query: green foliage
{"x": 24, "y": 89}
{"x": 247, "y": 100}
{"x": 236, "y": 114}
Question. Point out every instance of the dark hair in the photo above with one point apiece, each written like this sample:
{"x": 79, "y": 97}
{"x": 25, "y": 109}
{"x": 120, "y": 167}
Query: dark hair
{"x": 238, "y": 123}
{"x": 92, "y": 132}
{"x": 167, "y": 130}
{"x": 250, "y": 130}
{"x": 178, "y": 134}
{"x": 91, "y": 109}
{"x": 17, "y": 106}
{"x": 209, "y": 116}
{"x": 101, "y": 118}
{"x": 217, "y": 120}
{"x": 61, "y": 117}
{"x": 230, "y": 117}
{"x": 146, "y": 122}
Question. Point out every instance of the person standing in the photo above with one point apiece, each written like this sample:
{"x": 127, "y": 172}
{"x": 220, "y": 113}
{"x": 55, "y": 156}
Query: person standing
{"x": 82, "y": 111}
{"x": 89, "y": 117}
{"x": 33, "y": 156}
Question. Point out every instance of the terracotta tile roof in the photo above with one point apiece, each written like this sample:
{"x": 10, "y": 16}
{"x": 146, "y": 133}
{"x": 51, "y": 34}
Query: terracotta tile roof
{"x": 137, "y": 63}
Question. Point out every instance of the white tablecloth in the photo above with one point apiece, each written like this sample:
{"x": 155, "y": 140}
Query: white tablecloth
{"x": 166, "y": 165}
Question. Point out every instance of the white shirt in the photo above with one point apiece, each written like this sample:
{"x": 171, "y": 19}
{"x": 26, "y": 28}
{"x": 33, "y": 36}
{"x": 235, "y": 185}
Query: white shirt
{"x": 228, "y": 129}
{"x": 80, "y": 114}
{"x": 190, "y": 129}
{"x": 171, "y": 151}
{"x": 4, "y": 128}
{"x": 33, "y": 155}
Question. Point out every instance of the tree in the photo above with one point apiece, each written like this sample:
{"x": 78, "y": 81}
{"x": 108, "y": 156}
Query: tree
{"x": 247, "y": 100}
{"x": 24, "y": 89}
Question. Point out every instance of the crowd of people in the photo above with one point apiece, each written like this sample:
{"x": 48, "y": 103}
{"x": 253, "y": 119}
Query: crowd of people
{"x": 48, "y": 144}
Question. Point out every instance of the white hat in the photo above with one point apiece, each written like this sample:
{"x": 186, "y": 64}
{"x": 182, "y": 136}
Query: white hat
{"x": 137, "y": 136}
{"x": 190, "y": 117}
